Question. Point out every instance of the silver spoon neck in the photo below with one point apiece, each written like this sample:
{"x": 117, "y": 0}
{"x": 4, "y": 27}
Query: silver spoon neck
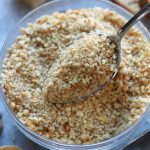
{"x": 143, "y": 12}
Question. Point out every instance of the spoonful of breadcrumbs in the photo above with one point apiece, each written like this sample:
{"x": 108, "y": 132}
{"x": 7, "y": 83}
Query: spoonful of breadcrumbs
{"x": 81, "y": 68}
{"x": 87, "y": 65}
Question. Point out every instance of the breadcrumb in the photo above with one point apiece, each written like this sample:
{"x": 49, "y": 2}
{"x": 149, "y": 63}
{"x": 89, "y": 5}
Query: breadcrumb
{"x": 80, "y": 69}
{"x": 100, "y": 117}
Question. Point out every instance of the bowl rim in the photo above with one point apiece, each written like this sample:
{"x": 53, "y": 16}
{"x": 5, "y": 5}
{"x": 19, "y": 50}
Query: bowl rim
{"x": 105, "y": 143}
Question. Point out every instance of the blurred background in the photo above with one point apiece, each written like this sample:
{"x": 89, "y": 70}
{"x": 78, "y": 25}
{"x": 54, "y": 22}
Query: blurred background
{"x": 11, "y": 11}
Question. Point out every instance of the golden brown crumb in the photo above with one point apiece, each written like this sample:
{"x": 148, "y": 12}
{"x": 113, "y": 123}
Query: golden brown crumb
{"x": 100, "y": 117}
{"x": 81, "y": 68}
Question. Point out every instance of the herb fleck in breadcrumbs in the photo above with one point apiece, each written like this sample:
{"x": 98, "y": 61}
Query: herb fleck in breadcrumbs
{"x": 100, "y": 117}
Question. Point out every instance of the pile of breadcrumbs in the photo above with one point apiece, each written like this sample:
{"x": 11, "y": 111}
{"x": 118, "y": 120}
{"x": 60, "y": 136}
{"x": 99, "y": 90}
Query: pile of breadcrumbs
{"x": 106, "y": 114}
{"x": 85, "y": 65}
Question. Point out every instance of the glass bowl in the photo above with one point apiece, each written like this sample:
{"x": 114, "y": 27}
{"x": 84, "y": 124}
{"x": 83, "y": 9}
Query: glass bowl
{"x": 117, "y": 142}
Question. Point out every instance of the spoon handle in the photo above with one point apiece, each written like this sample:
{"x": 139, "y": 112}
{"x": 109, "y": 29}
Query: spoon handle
{"x": 143, "y": 12}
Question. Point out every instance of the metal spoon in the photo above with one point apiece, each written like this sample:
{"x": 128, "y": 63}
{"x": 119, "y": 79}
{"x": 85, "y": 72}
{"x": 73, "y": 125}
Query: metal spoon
{"x": 118, "y": 37}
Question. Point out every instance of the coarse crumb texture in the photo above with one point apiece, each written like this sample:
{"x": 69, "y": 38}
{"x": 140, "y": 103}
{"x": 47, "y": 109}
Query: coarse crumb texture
{"x": 81, "y": 68}
{"x": 98, "y": 118}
